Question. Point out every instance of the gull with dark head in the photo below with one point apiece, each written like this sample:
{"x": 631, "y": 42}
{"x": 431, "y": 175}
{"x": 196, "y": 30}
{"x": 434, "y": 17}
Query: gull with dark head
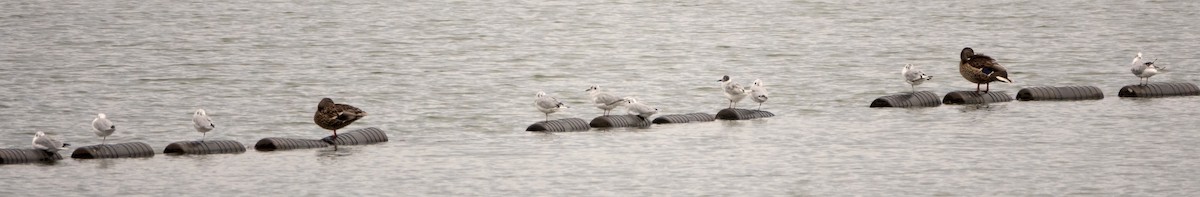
{"x": 914, "y": 76}
{"x": 202, "y": 123}
{"x": 547, "y": 104}
{"x": 604, "y": 101}
{"x": 103, "y": 127}
{"x": 734, "y": 92}
{"x": 981, "y": 69}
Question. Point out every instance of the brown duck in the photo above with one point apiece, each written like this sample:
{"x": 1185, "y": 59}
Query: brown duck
{"x": 334, "y": 116}
{"x": 981, "y": 69}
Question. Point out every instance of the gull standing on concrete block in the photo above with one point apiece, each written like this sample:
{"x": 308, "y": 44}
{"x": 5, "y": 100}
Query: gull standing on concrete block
{"x": 914, "y": 76}
{"x": 47, "y": 143}
{"x": 547, "y": 104}
{"x": 758, "y": 92}
{"x": 604, "y": 101}
{"x": 641, "y": 110}
{"x": 202, "y": 123}
{"x": 733, "y": 91}
{"x": 103, "y": 127}
{"x": 1143, "y": 70}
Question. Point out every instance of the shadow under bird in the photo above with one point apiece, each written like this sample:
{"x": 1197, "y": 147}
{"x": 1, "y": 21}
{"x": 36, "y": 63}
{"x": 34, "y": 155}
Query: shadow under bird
{"x": 733, "y": 91}
{"x": 547, "y": 104}
{"x": 758, "y": 92}
{"x": 641, "y": 110}
{"x": 981, "y": 69}
{"x": 103, "y": 127}
{"x": 202, "y": 123}
{"x": 1144, "y": 70}
{"x": 914, "y": 76}
{"x": 604, "y": 101}
{"x": 334, "y": 116}
{"x": 46, "y": 143}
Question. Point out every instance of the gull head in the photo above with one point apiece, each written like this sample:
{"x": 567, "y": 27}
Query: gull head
{"x": 724, "y": 78}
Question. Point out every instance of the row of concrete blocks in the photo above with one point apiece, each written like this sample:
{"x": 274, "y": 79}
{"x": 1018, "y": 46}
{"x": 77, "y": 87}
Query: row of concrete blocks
{"x": 138, "y": 149}
{"x": 577, "y": 124}
{"x": 1068, "y": 93}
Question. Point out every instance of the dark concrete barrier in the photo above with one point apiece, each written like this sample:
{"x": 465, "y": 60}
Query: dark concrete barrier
{"x": 560, "y": 125}
{"x": 619, "y": 121}
{"x": 919, "y": 99}
{"x": 122, "y": 150}
{"x": 369, "y": 135}
{"x": 1159, "y": 90}
{"x": 11, "y": 156}
{"x": 1068, "y": 93}
{"x": 972, "y": 97}
{"x": 205, "y": 147}
{"x": 685, "y": 118}
{"x": 742, "y": 114}
{"x": 273, "y": 144}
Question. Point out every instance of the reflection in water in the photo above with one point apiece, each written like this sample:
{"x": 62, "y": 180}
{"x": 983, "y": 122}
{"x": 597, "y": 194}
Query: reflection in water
{"x": 341, "y": 151}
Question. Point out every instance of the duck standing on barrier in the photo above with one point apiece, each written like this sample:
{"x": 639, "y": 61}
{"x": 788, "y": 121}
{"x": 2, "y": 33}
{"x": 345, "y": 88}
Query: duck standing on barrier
{"x": 914, "y": 76}
{"x": 758, "y": 92}
{"x": 733, "y": 91}
{"x": 981, "y": 69}
{"x": 604, "y": 101}
{"x": 641, "y": 110}
{"x": 49, "y": 144}
{"x": 547, "y": 104}
{"x": 103, "y": 127}
{"x": 334, "y": 116}
{"x": 202, "y": 123}
{"x": 1144, "y": 70}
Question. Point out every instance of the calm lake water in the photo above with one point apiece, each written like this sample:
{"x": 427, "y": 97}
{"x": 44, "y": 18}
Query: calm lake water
{"x": 452, "y": 83}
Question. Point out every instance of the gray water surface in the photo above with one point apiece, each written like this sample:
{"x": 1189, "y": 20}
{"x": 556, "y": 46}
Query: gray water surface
{"x": 453, "y": 84}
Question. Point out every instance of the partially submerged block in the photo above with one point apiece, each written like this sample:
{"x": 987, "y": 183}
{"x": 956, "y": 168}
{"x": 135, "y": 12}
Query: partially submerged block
{"x": 918, "y": 99}
{"x": 1159, "y": 90}
{"x": 122, "y": 150}
{"x": 1067, "y": 93}
{"x": 972, "y": 97}
{"x": 560, "y": 125}
{"x": 742, "y": 114}
{"x": 368, "y": 135}
{"x": 205, "y": 147}
{"x": 11, "y": 156}
{"x": 275, "y": 143}
{"x": 684, "y": 118}
{"x": 619, "y": 121}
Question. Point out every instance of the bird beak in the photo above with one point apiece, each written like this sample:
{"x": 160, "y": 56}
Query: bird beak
{"x": 1005, "y": 80}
